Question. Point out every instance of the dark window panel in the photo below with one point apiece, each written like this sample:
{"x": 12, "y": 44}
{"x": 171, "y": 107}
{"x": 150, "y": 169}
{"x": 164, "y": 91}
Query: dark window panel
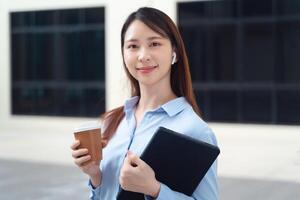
{"x": 267, "y": 47}
{"x": 224, "y": 9}
{"x": 69, "y": 16}
{"x": 30, "y": 62}
{"x": 72, "y": 100}
{"x": 57, "y": 72}
{"x": 195, "y": 43}
{"x": 223, "y": 106}
{"x": 223, "y": 54}
{"x": 207, "y": 10}
{"x": 43, "y": 52}
{"x": 288, "y": 106}
{"x": 23, "y": 101}
{"x": 92, "y": 60}
{"x": 89, "y": 66}
{"x": 255, "y": 8}
{"x": 80, "y": 102}
{"x": 30, "y": 19}
{"x": 94, "y": 15}
{"x": 193, "y": 10}
{"x": 71, "y": 57}
{"x": 289, "y": 41}
{"x": 22, "y": 19}
{"x": 211, "y": 51}
{"x": 288, "y": 7}
{"x": 19, "y": 51}
{"x": 94, "y": 102}
{"x": 256, "y": 106}
{"x": 44, "y": 18}
{"x": 202, "y": 102}
{"x": 17, "y": 20}
{"x": 34, "y": 56}
{"x": 61, "y": 102}
{"x": 46, "y": 101}
{"x": 258, "y": 52}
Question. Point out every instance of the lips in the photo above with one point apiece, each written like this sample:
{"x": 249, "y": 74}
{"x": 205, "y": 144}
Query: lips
{"x": 146, "y": 69}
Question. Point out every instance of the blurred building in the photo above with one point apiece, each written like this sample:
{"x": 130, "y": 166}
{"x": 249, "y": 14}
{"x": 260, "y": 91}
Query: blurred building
{"x": 61, "y": 61}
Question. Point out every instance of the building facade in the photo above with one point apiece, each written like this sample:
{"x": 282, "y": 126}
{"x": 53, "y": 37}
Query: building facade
{"x": 61, "y": 60}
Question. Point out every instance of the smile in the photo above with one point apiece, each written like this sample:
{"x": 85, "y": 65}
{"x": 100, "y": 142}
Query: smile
{"x": 147, "y": 69}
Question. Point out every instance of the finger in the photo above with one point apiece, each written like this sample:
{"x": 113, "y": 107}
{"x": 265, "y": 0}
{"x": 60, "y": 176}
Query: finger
{"x": 103, "y": 143}
{"x": 126, "y": 164}
{"x": 133, "y": 159}
{"x": 75, "y": 144}
{"x": 126, "y": 160}
{"x": 79, "y": 153}
{"x": 81, "y": 160}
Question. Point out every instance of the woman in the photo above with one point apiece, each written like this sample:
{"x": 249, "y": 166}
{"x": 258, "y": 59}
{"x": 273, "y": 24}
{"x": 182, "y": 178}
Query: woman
{"x": 156, "y": 64}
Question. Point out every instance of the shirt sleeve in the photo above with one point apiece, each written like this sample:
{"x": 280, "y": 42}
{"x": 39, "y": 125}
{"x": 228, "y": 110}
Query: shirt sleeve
{"x": 94, "y": 192}
{"x": 206, "y": 190}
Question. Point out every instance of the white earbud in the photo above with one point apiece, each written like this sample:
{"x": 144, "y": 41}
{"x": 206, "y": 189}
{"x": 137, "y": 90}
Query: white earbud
{"x": 173, "y": 58}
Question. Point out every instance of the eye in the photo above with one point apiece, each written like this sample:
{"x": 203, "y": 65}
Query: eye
{"x": 132, "y": 46}
{"x": 155, "y": 44}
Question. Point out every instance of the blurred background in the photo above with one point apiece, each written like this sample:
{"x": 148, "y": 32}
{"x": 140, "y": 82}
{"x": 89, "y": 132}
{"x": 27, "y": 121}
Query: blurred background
{"x": 61, "y": 65}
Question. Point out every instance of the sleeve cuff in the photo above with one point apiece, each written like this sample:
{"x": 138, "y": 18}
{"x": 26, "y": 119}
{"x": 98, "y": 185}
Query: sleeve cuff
{"x": 163, "y": 190}
{"x": 148, "y": 197}
{"x": 93, "y": 191}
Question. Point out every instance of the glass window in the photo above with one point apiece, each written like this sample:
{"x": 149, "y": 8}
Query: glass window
{"x": 222, "y": 54}
{"x": 223, "y": 106}
{"x": 244, "y": 58}
{"x": 223, "y": 9}
{"x": 289, "y": 42}
{"x": 202, "y": 99}
{"x": 288, "y": 7}
{"x": 256, "y": 106}
{"x": 195, "y": 45}
{"x": 211, "y": 50}
{"x": 207, "y": 10}
{"x": 94, "y": 15}
{"x": 288, "y": 106}
{"x": 58, "y": 62}
{"x": 258, "y": 52}
{"x": 93, "y": 58}
{"x": 23, "y": 19}
{"x": 71, "y": 16}
{"x": 44, "y": 18}
{"x": 256, "y": 8}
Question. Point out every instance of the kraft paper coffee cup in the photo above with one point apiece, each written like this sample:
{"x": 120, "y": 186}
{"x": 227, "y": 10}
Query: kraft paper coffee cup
{"x": 89, "y": 135}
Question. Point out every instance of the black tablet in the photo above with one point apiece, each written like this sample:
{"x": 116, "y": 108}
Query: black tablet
{"x": 179, "y": 161}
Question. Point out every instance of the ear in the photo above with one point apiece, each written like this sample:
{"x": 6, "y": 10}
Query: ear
{"x": 173, "y": 58}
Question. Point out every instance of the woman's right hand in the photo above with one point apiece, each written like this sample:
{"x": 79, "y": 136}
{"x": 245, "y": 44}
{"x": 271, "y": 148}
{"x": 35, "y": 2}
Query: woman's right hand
{"x": 92, "y": 168}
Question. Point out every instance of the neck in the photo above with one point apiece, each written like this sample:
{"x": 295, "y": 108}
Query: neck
{"x": 154, "y": 96}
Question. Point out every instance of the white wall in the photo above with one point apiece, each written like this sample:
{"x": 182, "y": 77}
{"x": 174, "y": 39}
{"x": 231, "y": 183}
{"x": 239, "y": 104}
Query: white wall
{"x": 4, "y": 63}
{"x": 116, "y": 85}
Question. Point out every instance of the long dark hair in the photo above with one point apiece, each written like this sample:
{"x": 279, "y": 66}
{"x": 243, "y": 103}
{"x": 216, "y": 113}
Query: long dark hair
{"x": 181, "y": 82}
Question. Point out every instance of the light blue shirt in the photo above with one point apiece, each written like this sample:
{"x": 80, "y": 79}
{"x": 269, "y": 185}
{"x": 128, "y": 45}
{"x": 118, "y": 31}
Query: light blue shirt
{"x": 176, "y": 115}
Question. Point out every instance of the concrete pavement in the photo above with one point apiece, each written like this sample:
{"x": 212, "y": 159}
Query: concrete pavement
{"x": 256, "y": 162}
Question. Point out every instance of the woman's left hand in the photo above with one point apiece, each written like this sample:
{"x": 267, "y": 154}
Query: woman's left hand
{"x": 138, "y": 176}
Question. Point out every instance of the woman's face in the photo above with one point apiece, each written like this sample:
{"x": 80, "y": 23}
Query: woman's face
{"x": 147, "y": 54}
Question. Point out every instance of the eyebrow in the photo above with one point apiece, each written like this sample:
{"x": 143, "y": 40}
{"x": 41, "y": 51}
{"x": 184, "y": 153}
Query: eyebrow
{"x": 149, "y": 39}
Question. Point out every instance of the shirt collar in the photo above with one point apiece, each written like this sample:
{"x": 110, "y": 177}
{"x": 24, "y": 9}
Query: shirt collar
{"x": 130, "y": 103}
{"x": 175, "y": 106}
{"x": 172, "y": 107}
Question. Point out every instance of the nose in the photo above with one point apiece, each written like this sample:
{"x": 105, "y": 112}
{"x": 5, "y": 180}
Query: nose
{"x": 144, "y": 55}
